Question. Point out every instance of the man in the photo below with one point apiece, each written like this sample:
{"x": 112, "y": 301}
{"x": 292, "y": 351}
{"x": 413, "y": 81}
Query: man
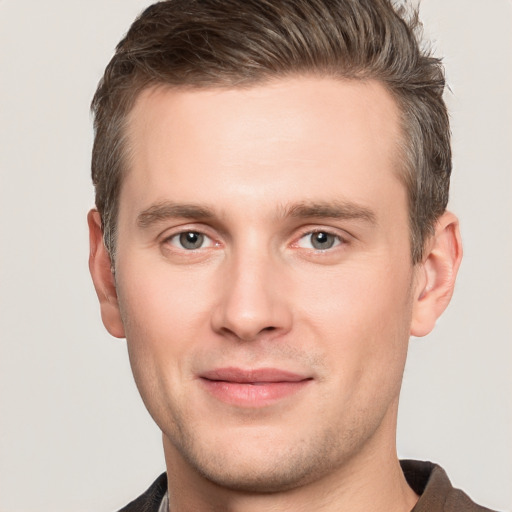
{"x": 271, "y": 227}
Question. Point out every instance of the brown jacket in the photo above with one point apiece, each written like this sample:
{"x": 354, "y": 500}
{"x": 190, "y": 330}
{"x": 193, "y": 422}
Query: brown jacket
{"x": 436, "y": 493}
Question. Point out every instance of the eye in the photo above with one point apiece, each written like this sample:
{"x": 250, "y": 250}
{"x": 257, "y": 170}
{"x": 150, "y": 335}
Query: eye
{"x": 190, "y": 240}
{"x": 319, "y": 241}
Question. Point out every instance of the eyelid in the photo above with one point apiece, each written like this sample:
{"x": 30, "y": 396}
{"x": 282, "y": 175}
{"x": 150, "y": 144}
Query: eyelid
{"x": 342, "y": 235}
{"x": 176, "y": 237}
{"x": 173, "y": 233}
{"x": 338, "y": 241}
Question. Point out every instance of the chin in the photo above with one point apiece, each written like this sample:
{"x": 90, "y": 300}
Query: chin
{"x": 262, "y": 467}
{"x": 258, "y": 477}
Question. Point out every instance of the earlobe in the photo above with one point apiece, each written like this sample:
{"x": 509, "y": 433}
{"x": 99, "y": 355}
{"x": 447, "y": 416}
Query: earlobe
{"x": 103, "y": 278}
{"x": 435, "y": 278}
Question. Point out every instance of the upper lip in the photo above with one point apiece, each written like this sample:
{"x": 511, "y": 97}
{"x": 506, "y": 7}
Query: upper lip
{"x": 240, "y": 375}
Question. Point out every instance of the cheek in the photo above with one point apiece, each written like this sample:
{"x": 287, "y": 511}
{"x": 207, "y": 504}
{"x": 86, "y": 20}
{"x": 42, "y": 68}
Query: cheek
{"x": 360, "y": 314}
{"x": 164, "y": 314}
{"x": 159, "y": 299}
{"x": 164, "y": 319}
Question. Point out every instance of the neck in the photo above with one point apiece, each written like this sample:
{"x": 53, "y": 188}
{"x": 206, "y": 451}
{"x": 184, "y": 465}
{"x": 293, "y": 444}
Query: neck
{"x": 371, "y": 479}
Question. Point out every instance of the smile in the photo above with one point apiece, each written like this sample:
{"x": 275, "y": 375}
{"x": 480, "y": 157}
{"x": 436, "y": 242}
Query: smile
{"x": 252, "y": 388}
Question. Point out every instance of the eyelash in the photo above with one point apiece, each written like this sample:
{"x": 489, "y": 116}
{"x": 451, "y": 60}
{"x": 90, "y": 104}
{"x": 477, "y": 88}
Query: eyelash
{"x": 178, "y": 238}
{"x": 334, "y": 237}
{"x": 177, "y": 242}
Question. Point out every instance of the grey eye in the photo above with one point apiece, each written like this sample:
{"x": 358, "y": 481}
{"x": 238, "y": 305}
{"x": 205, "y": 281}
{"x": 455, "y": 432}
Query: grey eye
{"x": 191, "y": 240}
{"x": 322, "y": 240}
{"x": 319, "y": 241}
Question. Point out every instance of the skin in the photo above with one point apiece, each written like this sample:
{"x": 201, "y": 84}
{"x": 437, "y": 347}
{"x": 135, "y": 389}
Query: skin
{"x": 257, "y": 172}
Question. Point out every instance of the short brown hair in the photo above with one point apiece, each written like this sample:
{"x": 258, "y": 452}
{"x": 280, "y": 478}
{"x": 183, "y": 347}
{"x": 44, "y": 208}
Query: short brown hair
{"x": 235, "y": 43}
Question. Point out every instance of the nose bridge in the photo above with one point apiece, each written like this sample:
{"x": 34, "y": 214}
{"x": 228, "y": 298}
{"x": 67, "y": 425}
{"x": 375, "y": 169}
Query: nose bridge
{"x": 252, "y": 301}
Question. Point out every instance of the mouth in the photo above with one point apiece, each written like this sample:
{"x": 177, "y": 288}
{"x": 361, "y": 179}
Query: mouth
{"x": 252, "y": 388}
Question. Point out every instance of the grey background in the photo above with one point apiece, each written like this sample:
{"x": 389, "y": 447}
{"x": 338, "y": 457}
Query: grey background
{"x": 74, "y": 435}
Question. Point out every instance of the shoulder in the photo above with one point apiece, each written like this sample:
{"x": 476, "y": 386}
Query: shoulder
{"x": 436, "y": 492}
{"x": 150, "y": 500}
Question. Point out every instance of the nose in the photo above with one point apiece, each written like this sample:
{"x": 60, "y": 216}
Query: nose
{"x": 253, "y": 302}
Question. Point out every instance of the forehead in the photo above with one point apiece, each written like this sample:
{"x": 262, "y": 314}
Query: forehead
{"x": 300, "y": 133}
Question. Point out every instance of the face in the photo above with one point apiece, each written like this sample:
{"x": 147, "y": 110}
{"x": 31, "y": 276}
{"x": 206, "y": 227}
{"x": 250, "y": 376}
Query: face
{"x": 264, "y": 276}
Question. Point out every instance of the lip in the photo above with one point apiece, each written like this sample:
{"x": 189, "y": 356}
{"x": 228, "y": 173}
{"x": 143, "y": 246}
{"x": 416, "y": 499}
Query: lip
{"x": 254, "y": 387}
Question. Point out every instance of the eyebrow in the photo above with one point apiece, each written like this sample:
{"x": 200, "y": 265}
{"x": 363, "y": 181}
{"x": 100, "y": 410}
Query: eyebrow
{"x": 330, "y": 210}
{"x": 169, "y": 210}
{"x": 313, "y": 210}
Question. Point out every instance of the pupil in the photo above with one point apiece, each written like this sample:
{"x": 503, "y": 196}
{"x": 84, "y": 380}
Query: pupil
{"x": 191, "y": 240}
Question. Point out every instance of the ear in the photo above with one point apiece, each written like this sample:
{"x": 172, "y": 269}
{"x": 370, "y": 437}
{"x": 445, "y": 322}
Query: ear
{"x": 104, "y": 283}
{"x": 435, "y": 275}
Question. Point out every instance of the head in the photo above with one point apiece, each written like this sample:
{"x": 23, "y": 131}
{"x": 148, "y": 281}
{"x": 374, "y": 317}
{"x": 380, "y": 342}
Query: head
{"x": 233, "y": 44}
{"x": 271, "y": 182}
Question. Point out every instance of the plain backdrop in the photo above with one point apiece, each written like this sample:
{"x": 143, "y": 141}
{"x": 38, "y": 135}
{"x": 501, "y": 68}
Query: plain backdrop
{"x": 74, "y": 435}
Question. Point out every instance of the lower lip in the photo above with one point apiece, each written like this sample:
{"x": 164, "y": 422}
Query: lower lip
{"x": 252, "y": 395}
